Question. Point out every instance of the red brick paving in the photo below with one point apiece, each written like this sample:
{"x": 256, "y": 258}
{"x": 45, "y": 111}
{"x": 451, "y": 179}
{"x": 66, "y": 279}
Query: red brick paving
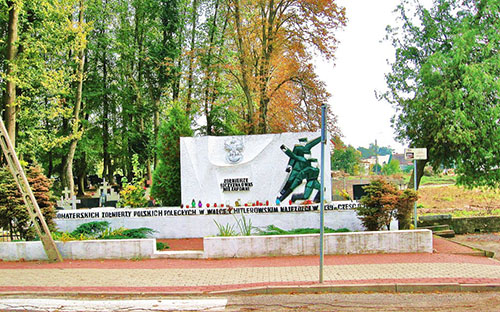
{"x": 445, "y": 252}
{"x": 160, "y": 289}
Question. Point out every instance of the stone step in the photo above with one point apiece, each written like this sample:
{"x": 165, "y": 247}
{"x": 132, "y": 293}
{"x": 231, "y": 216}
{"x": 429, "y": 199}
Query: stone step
{"x": 436, "y": 228}
{"x": 445, "y": 233}
{"x": 178, "y": 254}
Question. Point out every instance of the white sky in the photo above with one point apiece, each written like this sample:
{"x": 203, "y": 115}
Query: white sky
{"x": 360, "y": 65}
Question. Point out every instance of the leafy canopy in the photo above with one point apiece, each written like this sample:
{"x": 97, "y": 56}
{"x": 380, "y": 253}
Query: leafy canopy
{"x": 444, "y": 84}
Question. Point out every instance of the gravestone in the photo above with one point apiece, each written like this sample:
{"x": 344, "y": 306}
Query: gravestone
{"x": 65, "y": 202}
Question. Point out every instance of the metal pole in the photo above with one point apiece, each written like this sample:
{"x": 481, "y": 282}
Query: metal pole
{"x": 415, "y": 187}
{"x": 322, "y": 193}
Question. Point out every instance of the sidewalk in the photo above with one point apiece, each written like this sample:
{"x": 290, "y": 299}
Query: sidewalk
{"x": 451, "y": 267}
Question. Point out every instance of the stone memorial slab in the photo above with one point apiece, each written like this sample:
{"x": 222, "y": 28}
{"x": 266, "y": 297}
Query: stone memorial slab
{"x": 252, "y": 169}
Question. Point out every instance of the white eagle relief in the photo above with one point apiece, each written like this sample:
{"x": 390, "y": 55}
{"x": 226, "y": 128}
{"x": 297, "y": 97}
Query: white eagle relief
{"x": 234, "y": 148}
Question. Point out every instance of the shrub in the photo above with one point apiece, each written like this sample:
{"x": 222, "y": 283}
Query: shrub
{"x": 101, "y": 230}
{"x": 13, "y": 213}
{"x": 161, "y": 246}
{"x": 225, "y": 230}
{"x": 274, "y": 230}
{"x": 92, "y": 229}
{"x": 383, "y": 201}
{"x": 134, "y": 194}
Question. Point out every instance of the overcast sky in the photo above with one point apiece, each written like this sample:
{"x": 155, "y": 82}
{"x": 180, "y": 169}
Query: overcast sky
{"x": 360, "y": 65}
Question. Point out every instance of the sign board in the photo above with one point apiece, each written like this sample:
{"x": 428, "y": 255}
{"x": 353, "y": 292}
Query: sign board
{"x": 415, "y": 153}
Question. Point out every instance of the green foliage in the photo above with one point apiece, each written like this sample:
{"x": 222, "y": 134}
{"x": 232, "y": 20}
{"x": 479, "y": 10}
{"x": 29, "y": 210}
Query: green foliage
{"x": 383, "y": 201}
{"x": 245, "y": 225}
{"x": 13, "y": 213}
{"x": 391, "y": 168}
{"x": 134, "y": 194}
{"x": 376, "y": 168}
{"x": 373, "y": 150}
{"x": 274, "y": 230}
{"x": 225, "y": 230}
{"x": 161, "y": 246}
{"x": 128, "y": 233}
{"x": 166, "y": 178}
{"x": 92, "y": 229}
{"x": 444, "y": 84}
{"x": 347, "y": 160}
{"x": 101, "y": 230}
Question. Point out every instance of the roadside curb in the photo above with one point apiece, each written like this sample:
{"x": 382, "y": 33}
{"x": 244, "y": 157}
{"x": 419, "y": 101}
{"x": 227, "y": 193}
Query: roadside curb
{"x": 486, "y": 253}
{"x": 347, "y": 288}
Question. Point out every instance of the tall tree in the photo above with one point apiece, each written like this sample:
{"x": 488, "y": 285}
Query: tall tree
{"x": 11, "y": 55}
{"x": 79, "y": 49}
{"x": 444, "y": 83}
{"x": 167, "y": 177}
{"x": 274, "y": 42}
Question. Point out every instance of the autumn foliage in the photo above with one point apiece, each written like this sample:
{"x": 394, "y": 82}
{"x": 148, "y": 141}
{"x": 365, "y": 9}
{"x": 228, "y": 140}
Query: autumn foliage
{"x": 382, "y": 202}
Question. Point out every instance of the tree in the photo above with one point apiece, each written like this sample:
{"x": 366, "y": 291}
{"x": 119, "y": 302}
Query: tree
{"x": 382, "y": 202}
{"x": 444, "y": 84}
{"x": 273, "y": 42}
{"x": 391, "y": 168}
{"x": 13, "y": 214}
{"x": 10, "y": 94}
{"x": 80, "y": 33}
{"x": 166, "y": 187}
{"x": 347, "y": 159}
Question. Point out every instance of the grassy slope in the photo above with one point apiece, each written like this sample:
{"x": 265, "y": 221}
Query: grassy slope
{"x": 459, "y": 201}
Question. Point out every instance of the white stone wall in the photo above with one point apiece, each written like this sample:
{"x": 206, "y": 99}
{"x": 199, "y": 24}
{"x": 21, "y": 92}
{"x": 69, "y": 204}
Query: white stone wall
{"x": 90, "y": 249}
{"x": 410, "y": 241}
{"x": 203, "y": 225}
{"x": 204, "y": 167}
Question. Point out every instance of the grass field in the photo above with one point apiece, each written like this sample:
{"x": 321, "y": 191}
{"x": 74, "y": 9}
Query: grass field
{"x": 458, "y": 201}
{"x": 438, "y": 195}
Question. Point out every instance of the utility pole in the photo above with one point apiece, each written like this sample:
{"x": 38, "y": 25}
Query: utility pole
{"x": 34, "y": 212}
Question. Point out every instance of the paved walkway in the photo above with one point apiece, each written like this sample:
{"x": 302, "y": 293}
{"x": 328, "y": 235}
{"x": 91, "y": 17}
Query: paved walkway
{"x": 450, "y": 267}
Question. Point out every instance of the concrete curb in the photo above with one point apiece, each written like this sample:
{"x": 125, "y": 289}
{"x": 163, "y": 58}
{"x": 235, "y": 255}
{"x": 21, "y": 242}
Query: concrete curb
{"x": 486, "y": 253}
{"x": 348, "y": 288}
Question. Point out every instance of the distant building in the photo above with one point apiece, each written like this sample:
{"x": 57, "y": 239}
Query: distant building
{"x": 382, "y": 160}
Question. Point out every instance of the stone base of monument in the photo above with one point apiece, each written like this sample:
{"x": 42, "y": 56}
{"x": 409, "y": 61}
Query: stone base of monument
{"x": 410, "y": 241}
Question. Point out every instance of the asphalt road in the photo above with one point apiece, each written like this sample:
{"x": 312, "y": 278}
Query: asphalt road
{"x": 456, "y": 302}
{"x": 408, "y": 302}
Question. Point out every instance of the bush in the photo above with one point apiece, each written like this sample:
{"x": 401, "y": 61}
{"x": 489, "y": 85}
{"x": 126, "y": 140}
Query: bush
{"x": 13, "y": 213}
{"x": 91, "y": 229}
{"x": 382, "y": 202}
{"x": 161, "y": 246}
{"x": 134, "y": 194}
{"x": 101, "y": 230}
{"x": 274, "y": 230}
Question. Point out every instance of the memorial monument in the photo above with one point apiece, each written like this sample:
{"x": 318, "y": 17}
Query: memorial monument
{"x": 252, "y": 169}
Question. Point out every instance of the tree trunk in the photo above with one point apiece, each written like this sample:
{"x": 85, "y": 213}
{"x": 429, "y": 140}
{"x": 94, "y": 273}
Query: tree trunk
{"x": 194, "y": 18}
{"x": 106, "y": 171}
{"x": 10, "y": 92}
{"x": 420, "y": 173}
{"x": 244, "y": 80}
{"x": 68, "y": 162}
